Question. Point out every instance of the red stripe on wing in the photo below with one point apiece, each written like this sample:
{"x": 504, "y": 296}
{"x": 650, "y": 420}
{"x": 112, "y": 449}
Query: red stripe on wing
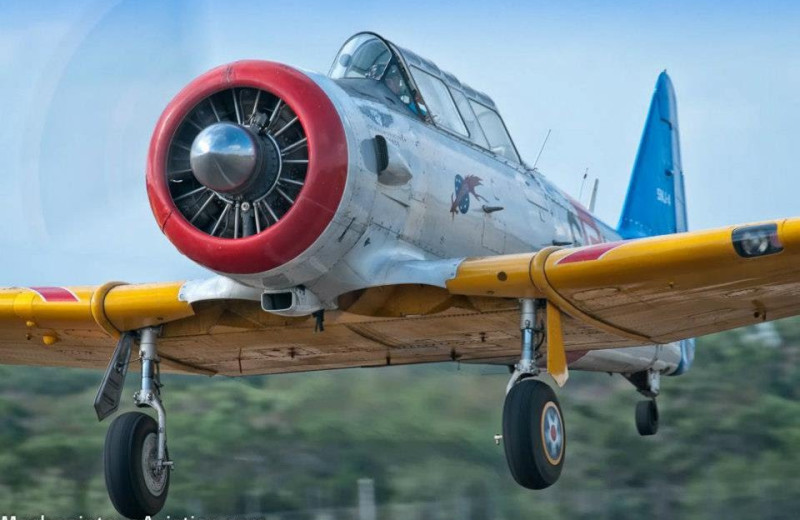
{"x": 589, "y": 253}
{"x": 55, "y": 294}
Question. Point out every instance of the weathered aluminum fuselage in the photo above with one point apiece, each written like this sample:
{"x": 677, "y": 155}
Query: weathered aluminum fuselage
{"x": 439, "y": 199}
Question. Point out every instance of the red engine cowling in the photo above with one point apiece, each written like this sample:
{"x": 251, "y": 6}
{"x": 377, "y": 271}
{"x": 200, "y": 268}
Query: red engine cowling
{"x": 299, "y": 185}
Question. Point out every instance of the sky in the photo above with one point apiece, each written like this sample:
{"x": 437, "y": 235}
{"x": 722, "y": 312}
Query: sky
{"x": 83, "y": 82}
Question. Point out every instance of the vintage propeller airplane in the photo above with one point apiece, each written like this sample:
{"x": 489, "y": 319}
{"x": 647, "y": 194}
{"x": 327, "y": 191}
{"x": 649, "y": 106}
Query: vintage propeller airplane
{"x": 381, "y": 215}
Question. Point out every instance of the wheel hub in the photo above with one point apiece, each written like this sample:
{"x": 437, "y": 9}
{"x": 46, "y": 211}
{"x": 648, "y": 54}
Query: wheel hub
{"x": 553, "y": 433}
{"x": 155, "y": 475}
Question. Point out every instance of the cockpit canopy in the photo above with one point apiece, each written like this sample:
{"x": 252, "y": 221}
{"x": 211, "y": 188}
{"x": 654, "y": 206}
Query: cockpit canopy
{"x": 425, "y": 90}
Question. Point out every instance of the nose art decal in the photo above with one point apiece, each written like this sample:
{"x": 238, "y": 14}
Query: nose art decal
{"x": 464, "y": 187}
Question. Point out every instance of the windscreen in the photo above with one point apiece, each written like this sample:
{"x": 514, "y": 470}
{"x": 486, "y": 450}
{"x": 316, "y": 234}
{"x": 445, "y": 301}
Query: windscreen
{"x": 363, "y": 56}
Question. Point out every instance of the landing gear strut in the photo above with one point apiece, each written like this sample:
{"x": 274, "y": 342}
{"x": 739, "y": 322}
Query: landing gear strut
{"x": 534, "y": 436}
{"x": 137, "y": 465}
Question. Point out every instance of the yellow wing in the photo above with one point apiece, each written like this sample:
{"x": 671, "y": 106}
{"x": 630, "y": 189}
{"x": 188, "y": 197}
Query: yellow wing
{"x": 78, "y": 326}
{"x": 659, "y": 289}
{"x": 637, "y": 292}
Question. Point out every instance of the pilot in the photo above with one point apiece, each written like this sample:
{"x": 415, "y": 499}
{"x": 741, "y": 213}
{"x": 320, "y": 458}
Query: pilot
{"x": 395, "y": 82}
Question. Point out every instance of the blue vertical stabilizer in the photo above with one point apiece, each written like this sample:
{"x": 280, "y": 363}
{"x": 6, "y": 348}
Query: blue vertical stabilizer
{"x": 655, "y": 204}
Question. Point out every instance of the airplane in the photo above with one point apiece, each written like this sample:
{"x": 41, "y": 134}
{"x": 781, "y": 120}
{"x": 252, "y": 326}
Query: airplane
{"x": 381, "y": 215}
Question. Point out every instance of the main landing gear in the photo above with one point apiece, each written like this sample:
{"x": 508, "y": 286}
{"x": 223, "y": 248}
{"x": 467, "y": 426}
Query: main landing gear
{"x": 137, "y": 465}
{"x": 534, "y": 436}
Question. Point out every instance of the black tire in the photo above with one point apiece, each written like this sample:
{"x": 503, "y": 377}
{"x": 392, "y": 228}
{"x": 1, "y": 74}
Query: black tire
{"x": 124, "y": 468}
{"x": 647, "y": 417}
{"x": 531, "y": 407}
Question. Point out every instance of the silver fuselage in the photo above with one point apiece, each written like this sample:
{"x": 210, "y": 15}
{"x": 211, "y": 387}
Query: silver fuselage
{"x": 413, "y": 210}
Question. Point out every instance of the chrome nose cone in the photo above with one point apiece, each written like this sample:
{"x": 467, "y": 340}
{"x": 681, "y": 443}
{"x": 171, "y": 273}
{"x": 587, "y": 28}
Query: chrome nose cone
{"x": 224, "y": 157}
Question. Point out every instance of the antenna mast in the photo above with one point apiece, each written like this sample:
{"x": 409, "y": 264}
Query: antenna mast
{"x": 542, "y": 148}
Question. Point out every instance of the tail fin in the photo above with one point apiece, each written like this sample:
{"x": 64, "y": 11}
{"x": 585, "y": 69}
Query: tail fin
{"x": 655, "y": 204}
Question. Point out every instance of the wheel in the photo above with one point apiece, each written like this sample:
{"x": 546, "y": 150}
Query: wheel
{"x": 647, "y": 417}
{"x": 136, "y": 489}
{"x": 534, "y": 436}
